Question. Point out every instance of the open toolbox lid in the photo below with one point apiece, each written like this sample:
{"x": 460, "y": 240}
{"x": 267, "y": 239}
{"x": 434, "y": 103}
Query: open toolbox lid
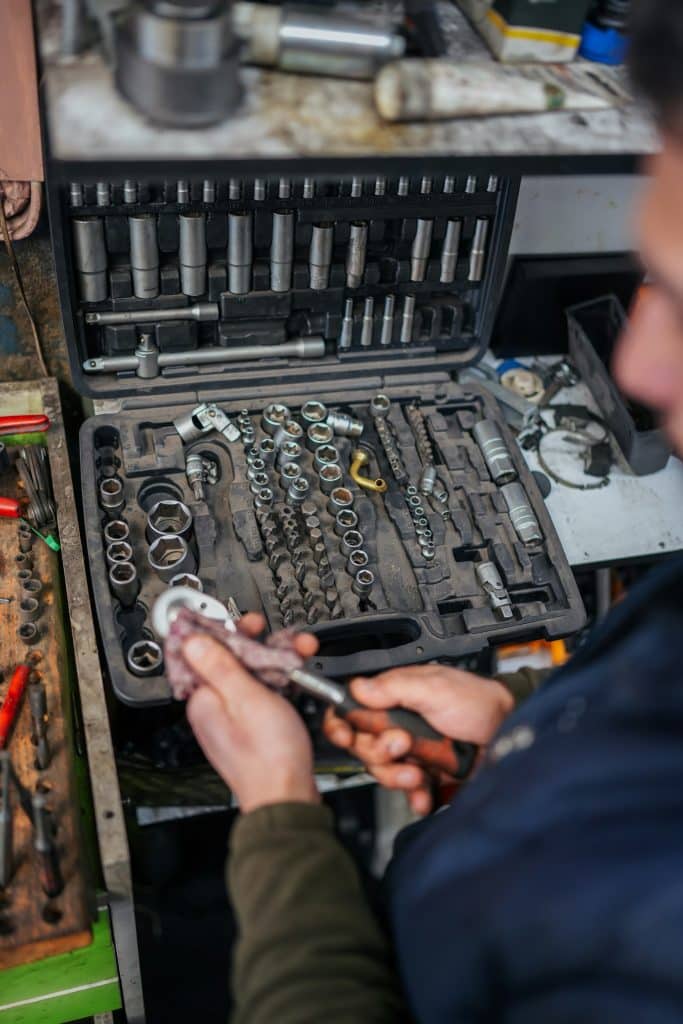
{"x": 452, "y": 321}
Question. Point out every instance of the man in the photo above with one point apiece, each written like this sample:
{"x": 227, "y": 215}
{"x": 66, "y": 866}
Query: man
{"x": 551, "y": 890}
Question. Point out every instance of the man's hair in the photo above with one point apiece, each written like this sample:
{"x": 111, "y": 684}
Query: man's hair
{"x": 656, "y": 58}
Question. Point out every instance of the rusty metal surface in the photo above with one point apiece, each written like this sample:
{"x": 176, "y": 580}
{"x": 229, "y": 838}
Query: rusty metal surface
{"x": 39, "y": 396}
{"x": 286, "y": 115}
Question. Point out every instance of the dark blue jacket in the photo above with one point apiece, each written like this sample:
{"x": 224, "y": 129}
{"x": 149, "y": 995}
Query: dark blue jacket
{"x": 552, "y": 889}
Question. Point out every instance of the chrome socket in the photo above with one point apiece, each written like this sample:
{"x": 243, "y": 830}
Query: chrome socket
{"x": 169, "y": 555}
{"x": 119, "y": 551}
{"x": 340, "y": 497}
{"x": 30, "y": 587}
{"x": 259, "y": 483}
{"x": 111, "y": 496}
{"x": 356, "y": 254}
{"x": 320, "y": 255}
{"x": 115, "y": 529}
{"x": 345, "y": 519}
{"x": 187, "y": 579}
{"x": 274, "y": 415}
{"x": 345, "y": 340}
{"x": 264, "y": 498}
{"x": 329, "y": 478}
{"x": 266, "y": 450}
{"x": 290, "y": 430}
{"x": 496, "y": 453}
{"x": 428, "y": 480}
{"x": 380, "y": 406}
{"x": 325, "y": 455}
{"x": 168, "y": 516}
{"x": 313, "y": 412}
{"x": 344, "y": 425}
{"x": 144, "y": 255}
{"x": 240, "y": 252}
{"x": 282, "y": 251}
{"x": 124, "y": 583}
{"x": 319, "y": 434}
{"x": 521, "y": 513}
{"x": 290, "y": 451}
{"x": 298, "y": 491}
{"x": 255, "y": 469}
{"x": 356, "y": 561}
{"x": 368, "y": 323}
{"x": 192, "y": 253}
{"x": 25, "y": 538}
{"x": 407, "y": 320}
{"x": 419, "y": 254}
{"x": 144, "y": 658}
{"x": 289, "y": 472}
{"x": 351, "y": 541}
{"x": 363, "y": 582}
{"x": 449, "y": 251}
{"x": 387, "y": 331}
{"x": 428, "y": 552}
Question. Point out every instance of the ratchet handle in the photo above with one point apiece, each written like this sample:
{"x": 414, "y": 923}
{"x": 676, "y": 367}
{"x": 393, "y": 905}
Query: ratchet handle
{"x": 429, "y": 746}
{"x": 31, "y": 424}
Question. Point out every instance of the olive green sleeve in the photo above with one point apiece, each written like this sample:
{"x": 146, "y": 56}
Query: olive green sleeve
{"x": 309, "y": 949}
{"x": 523, "y": 683}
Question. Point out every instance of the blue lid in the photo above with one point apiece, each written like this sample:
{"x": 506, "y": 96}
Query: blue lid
{"x": 604, "y": 45}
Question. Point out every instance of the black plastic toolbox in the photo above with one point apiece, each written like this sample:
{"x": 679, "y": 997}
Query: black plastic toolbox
{"x": 420, "y": 604}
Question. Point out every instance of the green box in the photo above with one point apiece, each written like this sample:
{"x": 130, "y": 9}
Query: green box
{"x": 526, "y": 30}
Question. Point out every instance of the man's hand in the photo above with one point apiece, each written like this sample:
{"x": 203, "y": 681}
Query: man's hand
{"x": 460, "y": 705}
{"x": 252, "y": 736}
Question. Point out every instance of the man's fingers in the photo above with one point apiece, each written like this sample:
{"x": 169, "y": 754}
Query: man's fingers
{"x": 389, "y": 690}
{"x": 382, "y": 749}
{"x": 222, "y": 671}
{"x": 306, "y": 644}
{"x": 252, "y": 624}
{"x": 337, "y": 730}
{"x": 206, "y": 714}
{"x": 398, "y": 776}
{"x": 420, "y": 801}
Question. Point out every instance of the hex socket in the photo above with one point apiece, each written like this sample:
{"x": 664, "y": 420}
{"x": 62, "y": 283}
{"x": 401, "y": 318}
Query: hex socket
{"x": 144, "y": 255}
{"x": 496, "y": 453}
{"x": 282, "y": 251}
{"x": 119, "y": 551}
{"x": 168, "y": 516}
{"x": 124, "y": 582}
{"x": 111, "y": 495}
{"x": 192, "y": 253}
{"x": 319, "y": 434}
{"x": 521, "y": 513}
{"x": 29, "y": 609}
{"x": 363, "y": 582}
{"x": 340, "y": 497}
{"x": 289, "y": 472}
{"x": 387, "y": 331}
{"x": 91, "y": 257}
{"x": 449, "y": 252}
{"x": 325, "y": 455}
{"x": 356, "y": 561}
{"x": 23, "y": 561}
{"x": 407, "y": 319}
{"x": 28, "y": 633}
{"x": 144, "y": 657}
{"x": 169, "y": 555}
{"x": 351, "y": 540}
{"x": 478, "y": 250}
{"x": 115, "y": 529}
{"x": 345, "y": 519}
{"x": 320, "y": 255}
{"x": 419, "y": 254}
{"x": 329, "y": 478}
{"x": 356, "y": 254}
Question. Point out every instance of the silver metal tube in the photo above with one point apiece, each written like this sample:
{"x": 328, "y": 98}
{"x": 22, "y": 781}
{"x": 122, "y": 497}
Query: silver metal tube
{"x": 259, "y": 189}
{"x": 309, "y": 188}
{"x": 346, "y": 334}
{"x": 385, "y": 337}
{"x": 200, "y": 311}
{"x": 282, "y": 251}
{"x": 209, "y": 191}
{"x": 407, "y": 319}
{"x": 495, "y": 451}
{"x": 449, "y": 252}
{"x": 130, "y": 191}
{"x": 448, "y": 185}
{"x": 183, "y": 191}
{"x": 403, "y": 186}
{"x": 169, "y": 555}
{"x": 91, "y": 258}
{"x": 368, "y": 324}
{"x": 380, "y": 185}
{"x": 299, "y": 348}
{"x": 419, "y": 254}
{"x": 192, "y": 253}
{"x": 144, "y": 657}
{"x": 471, "y": 184}
{"x": 356, "y": 254}
{"x": 284, "y": 188}
{"x": 240, "y": 252}
{"x": 320, "y": 255}
{"x": 332, "y": 44}
{"x": 234, "y": 189}
{"x": 521, "y": 513}
{"x": 76, "y": 193}
{"x": 478, "y": 250}
{"x": 356, "y": 188}
{"x": 103, "y": 193}
{"x": 144, "y": 255}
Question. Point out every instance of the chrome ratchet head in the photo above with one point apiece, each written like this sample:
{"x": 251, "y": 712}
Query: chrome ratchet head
{"x": 167, "y": 606}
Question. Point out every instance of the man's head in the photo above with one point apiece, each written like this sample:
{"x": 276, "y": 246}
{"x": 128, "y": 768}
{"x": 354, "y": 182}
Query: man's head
{"x": 649, "y": 361}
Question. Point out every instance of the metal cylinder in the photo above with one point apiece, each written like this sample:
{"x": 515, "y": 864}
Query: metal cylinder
{"x": 449, "y": 252}
{"x": 29, "y": 609}
{"x": 407, "y": 319}
{"x": 234, "y": 189}
{"x": 111, "y": 495}
{"x": 91, "y": 258}
{"x": 387, "y": 331}
{"x": 103, "y": 193}
{"x": 325, "y": 455}
{"x": 130, "y": 191}
{"x": 330, "y": 477}
{"x": 363, "y": 582}
{"x": 144, "y": 255}
{"x": 183, "y": 191}
{"x": 298, "y": 348}
{"x": 288, "y": 451}
{"x": 25, "y": 540}
{"x": 124, "y": 583}
{"x": 30, "y": 587}
{"x": 521, "y": 513}
{"x": 380, "y": 406}
{"x": 356, "y": 254}
{"x": 240, "y": 252}
{"x": 289, "y": 472}
{"x": 200, "y": 311}
{"x": 192, "y": 253}
{"x": 118, "y": 551}
{"x": 144, "y": 658}
{"x": 345, "y": 519}
{"x": 344, "y": 425}
{"x": 478, "y": 250}
{"x": 168, "y": 555}
{"x": 209, "y": 191}
{"x": 290, "y": 430}
{"x": 320, "y": 255}
{"x": 340, "y": 498}
{"x": 448, "y": 184}
{"x": 274, "y": 415}
{"x": 282, "y": 251}
{"x": 187, "y": 579}
{"x": 346, "y": 334}
{"x": 356, "y": 561}
{"x": 298, "y": 491}
{"x": 421, "y": 248}
{"x": 368, "y": 323}
{"x": 496, "y": 453}
{"x": 168, "y": 516}
{"x": 351, "y": 540}
{"x": 23, "y": 561}
{"x": 403, "y": 187}
{"x": 318, "y": 434}
{"x": 76, "y": 193}
{"x": 313, "y": 411}
{"x": 28, "y": 633}
{"x": 428, "y": 479}
{"x": 147, "y": 355}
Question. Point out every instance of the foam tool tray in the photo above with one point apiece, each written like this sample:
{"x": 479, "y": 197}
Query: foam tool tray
{"x": 221, "y": 275}
{"x": 448, "y": 550}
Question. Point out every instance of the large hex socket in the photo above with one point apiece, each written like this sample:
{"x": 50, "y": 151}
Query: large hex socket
{"x": 169, "y": 555}
{"x": 144, "y": 255}
{"x": 329, "y": 478}
{"x": 124, "y": 582}
{"x": 91, "y": 257}
{"x": 168, "y": 516}
{"x": 192, "y": 253}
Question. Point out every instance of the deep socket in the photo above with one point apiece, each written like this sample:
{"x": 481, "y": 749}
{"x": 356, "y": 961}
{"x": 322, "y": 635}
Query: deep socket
{"x": 356, "y": 254}
{"x": 346, "y": 333}
{"x": 91, "y": 258}
{"x": 478, "y": 250}
{"x": 320, "y": 255}
{"x": 363, "y": 582}
{"x": 345, "y": 519}
{"x": 496, "y": 453}
{"x": 368, "y": 323}
{"x": 282, "y": 251}
{"x": 407, "y": 319}
{"x": 192, "y": 253}
{"x": 449, "y": 252}
{"x": 422, "y": 245}
{"x": 386, "y": 335}
{"x": 209, "y": 191}
{"x": 521, "y": 513}
{"x": 240, "y": 252}
{"x": 103, "y": 193}
{"x": 144, "y": 255}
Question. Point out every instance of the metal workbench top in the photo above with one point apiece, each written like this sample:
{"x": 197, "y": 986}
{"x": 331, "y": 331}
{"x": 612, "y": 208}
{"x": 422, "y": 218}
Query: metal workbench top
{"x": 287, "y": 116}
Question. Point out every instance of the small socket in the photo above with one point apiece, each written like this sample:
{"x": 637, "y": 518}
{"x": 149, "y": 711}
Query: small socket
{"x": 266, "y": 449}
{"x": 346, "y": 519}
{"x": 23, "y": 561}
{"x": 186, "y": 579}
{"x": 28, "y": 633}
{"x": 326, "y": 455}
{"x": 144, "y": 658}
{"x": 30, "y": 587}
{"x": 119, "y": 551}
{"x": 363, "y": 582}
{"x": 319, "y": 434}
{"x": 340, "y": 497}
{"x": 290, "y": 430}
{"x": 428, "y": 552}
{"x": 274, "y": 415}
{"x": 329, "y": 478}
{"x": 289, "y": 472}
{"x": 379, "y": 406}
{"x": 313, "y": 412}
{"x": 256, "y": 468}
{"x": 298, "y": 490}
{"x": 290, "y": 451}
{"x": 264, "y": 498}
{"x": 350, "y": 541}
{"x": 258, "y": 483}
{"x": 115, "y": 530}
{"x": 111, "y": 495}
{"x": 29, "y": 609}
{"x": 124, "y": 582}
{"x": 356, "y": 561}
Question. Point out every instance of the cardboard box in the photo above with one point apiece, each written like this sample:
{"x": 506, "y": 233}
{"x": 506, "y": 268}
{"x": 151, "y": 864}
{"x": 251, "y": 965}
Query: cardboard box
{"x": 529, "y": 30}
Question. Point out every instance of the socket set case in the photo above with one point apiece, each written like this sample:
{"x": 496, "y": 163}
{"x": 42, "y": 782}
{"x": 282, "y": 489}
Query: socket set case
{"x": 343, "y": 481}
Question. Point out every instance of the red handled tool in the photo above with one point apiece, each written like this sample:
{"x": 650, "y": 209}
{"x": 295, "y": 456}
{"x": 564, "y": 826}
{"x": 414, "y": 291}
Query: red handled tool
{"x": 10, "y": 707}
{"x": 34, "y": 424}
{"x": 9, "y": 508}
